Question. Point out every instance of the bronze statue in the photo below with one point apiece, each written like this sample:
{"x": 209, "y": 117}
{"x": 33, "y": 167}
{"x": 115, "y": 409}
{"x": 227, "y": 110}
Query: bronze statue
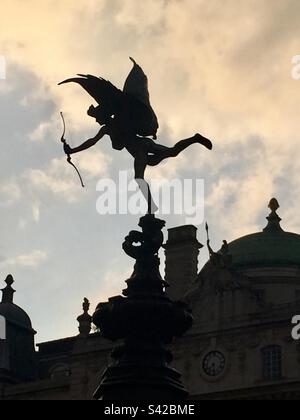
{"x": 128, "y": 118}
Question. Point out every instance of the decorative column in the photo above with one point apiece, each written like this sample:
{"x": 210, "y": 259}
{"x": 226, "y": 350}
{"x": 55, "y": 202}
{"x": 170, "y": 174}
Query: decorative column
{"x": 145, "y": 320}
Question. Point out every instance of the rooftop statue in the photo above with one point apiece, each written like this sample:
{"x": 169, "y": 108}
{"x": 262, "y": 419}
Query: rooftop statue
{"x": 128, "y": 118}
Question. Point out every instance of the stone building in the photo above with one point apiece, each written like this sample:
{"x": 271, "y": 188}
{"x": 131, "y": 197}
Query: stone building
{"x": 240, "y": 346}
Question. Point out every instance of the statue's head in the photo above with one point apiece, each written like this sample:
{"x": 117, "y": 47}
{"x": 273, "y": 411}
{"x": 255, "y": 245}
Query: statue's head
{"x": 100, "y": 113}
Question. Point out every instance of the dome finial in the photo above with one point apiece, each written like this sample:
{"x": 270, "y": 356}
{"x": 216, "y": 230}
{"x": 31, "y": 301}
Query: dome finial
{"x": 273, "y": 219}
{"x": 274, "y": 205}
{"x": 8, "y": 291}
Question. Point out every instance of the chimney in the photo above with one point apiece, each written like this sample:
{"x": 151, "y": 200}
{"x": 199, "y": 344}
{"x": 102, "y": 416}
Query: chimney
{"x": 182, "y": 251}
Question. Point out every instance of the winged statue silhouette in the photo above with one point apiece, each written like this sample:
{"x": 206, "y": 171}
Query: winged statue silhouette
{"x": 128, "y": 118}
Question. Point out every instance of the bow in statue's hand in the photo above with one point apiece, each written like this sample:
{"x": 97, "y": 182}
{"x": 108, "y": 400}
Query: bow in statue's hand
{"x": 68, "y": 150}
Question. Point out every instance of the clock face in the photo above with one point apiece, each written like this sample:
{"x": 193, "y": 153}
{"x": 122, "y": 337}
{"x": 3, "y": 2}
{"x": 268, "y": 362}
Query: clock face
{"x": 214, "y": 364}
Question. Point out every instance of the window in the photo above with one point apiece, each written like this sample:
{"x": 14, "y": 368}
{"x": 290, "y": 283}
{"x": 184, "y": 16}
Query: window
{"x": 2, "y": 328}
{"x": 272, "y": 363}
{"x": 60, "y": 371}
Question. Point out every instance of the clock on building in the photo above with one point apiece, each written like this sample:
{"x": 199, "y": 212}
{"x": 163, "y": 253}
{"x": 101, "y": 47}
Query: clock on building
{"x": 214, "y": 364}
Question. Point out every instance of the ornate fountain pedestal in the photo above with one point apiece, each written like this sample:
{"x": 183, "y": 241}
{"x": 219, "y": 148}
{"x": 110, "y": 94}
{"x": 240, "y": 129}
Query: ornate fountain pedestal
{"x": 145, "y": 320}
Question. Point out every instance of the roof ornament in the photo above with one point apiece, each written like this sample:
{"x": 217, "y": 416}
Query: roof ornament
{"x": 85, "y": 320}
{"x": 273, "y": 219}
{"x": 221, "y": 259}
{"x": 274, "y": 205}
{"x": 8, "y": 291}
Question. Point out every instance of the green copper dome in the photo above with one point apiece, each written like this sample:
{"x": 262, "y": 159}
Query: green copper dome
{"x": 271, "y": 248}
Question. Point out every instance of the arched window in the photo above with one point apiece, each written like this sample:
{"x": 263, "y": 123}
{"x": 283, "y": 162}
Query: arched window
{"x": 272, "y": 363}
{"x": 2, "y": 328}
{"x": 60, "y": 370}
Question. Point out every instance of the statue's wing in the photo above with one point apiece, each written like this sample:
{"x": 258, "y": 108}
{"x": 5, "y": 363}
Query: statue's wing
{"x": 136, "y": 86}
{"x": 100, "y": 89}
{"x": 133, "y": 104}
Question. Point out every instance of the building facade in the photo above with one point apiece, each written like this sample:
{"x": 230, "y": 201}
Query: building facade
{"x": 240, "y": 347}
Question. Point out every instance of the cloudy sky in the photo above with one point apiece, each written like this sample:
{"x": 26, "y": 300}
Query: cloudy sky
{"x": 221, "y": 68}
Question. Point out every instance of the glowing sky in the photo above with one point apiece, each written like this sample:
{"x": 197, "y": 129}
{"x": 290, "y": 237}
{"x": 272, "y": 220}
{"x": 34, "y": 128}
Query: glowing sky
{"x": 222, "y": 68}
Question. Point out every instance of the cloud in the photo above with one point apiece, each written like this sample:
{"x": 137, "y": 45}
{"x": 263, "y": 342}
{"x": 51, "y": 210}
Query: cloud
{"x": 60, "y": 179}
{"x": 36, "y": 212}
{"x": 10, "y": 193}
{"x": 32, "y": 260}
{"x": 94, "y": 163}
{"x": 113, "y": 282}
{"x": 40, "y": 133}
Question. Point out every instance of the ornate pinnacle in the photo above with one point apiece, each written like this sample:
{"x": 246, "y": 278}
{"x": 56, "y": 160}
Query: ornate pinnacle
{"x": 8, "y": 291}
{"x": 273, "y": 219}
{"x": 274, "y": 205}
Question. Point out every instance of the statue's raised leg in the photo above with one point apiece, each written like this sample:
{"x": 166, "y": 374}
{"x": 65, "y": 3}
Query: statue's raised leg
{"x": 161, "y": 153}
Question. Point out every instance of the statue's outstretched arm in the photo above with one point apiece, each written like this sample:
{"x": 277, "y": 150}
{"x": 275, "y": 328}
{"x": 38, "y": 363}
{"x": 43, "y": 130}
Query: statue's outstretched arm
{"x": 89, "y": 143}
